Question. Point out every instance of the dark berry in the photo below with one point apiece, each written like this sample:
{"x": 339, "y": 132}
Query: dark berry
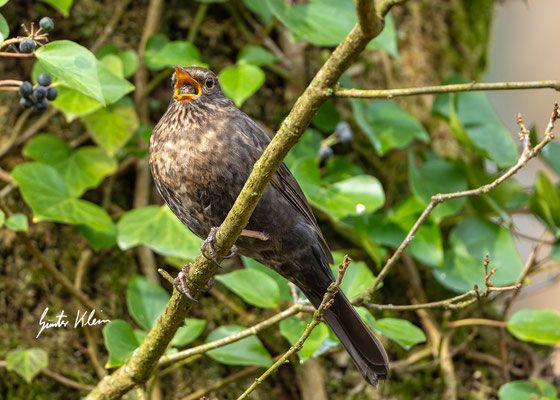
{"x": 27, "y": 46}
{"x": 44, "y": 79}
{"x": 47, "y": 24}
{"x": 40, "y": 105}
{"x": 325, "y": 153}
{"x": 52, "y": 93}
{"x": 25, "y": 89}
{"x": 39, "y": 93}
{"x": 344, "y": 132}
{"x": 25, "y": 102}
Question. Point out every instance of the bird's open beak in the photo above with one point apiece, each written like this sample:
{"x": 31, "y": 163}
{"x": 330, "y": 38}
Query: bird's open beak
{"x": 187, "y": 88}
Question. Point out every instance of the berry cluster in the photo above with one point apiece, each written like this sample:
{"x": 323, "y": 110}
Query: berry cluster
{"x": 37, "y": 98}
{"x": 28, "y": 45}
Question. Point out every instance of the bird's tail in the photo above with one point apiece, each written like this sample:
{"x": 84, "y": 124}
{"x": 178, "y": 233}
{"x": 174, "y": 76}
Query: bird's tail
{"x": 364, "y": 348}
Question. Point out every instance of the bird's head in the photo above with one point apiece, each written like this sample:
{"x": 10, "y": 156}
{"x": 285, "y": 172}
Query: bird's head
{"x": 195, "y": 84}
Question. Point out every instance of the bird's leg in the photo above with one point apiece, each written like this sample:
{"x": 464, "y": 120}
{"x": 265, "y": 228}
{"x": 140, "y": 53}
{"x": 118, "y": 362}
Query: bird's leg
{"x": 209, "y": 244}
{"x": 180, "y": 283}
{"x": 255, "y": 234}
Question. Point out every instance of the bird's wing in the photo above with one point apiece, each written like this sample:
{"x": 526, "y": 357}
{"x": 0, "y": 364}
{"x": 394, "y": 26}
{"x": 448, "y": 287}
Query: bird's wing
{"x": 283, "y": 180}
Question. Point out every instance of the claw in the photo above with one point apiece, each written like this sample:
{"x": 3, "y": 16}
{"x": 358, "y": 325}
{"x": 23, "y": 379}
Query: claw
{"x": 180, "y": 283}
{"x": 209, "y": 244}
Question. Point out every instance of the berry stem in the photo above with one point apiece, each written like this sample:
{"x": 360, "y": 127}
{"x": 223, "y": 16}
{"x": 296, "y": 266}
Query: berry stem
{"x": 10, "y": 82}
{"x": 9, "y": 88}
{"x": 8, "y": 42}
{"x": 6, "y": 54}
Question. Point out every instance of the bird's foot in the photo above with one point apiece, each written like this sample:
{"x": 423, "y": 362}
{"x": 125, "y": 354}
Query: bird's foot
{"x": 209, "y": 244}
{"x": 180, "y": 283}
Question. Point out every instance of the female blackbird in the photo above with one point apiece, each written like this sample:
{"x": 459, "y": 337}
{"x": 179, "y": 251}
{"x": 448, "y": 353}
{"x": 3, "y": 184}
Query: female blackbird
{"x": 201, "y": 153}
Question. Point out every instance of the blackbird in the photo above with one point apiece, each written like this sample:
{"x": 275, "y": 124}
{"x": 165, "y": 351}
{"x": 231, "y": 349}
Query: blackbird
{"x": 201, "y": 153}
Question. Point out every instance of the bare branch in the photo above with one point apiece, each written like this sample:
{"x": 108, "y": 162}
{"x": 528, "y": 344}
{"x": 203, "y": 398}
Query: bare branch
{"x": 526, "y": 154}
{"x": 462, "y": 87}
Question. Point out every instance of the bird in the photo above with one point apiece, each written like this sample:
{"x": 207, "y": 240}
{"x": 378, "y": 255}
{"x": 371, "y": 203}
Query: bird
{"x": 201, "y": 153}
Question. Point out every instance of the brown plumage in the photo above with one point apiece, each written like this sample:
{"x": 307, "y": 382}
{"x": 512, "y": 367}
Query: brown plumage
{"x": 201, "y": 153}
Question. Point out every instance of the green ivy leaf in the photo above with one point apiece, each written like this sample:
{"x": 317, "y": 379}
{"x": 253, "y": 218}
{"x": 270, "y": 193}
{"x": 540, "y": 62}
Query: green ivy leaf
{"x": 62, "y": 6}
{"x": 469, "y": 242}
{"x": 186, "y": 334}
{"x": 292, "y": 328}
{"x": 551, "y": 155}
{"x": 401, "y": 331}
{"x": 111, "y": 127}
{"x": 256, "y": 55}
{"x": 145, "y": 301}
{"x": 74, "y": 104}
{"x": 260, "y": 8}
{"x": 545, "y": 388}
{"x": 307, "y": 147}
{"x": 2, "y": 218}
{"x": 161, "y": 53}
{"x": 129, "y": 59}
{"x": 4, "y": 27}
{"x": 159, "y": 229}
{"x": 47, "y": 149}
{"x": 388, "y": 126}
{"x": 239, "y": 82}
{"x": 248, "y": 351}
{"x": 328, "y": 22}
{"x": 113, "y": 63}
{"x": 100, "y": 239}
{"x": 355, "y": 195}
{"x": 72, "y": 65}
{"x": 545, "y": 202}
{"x": 27, "y": 363}
{"x": 121, "y": 341}
{"x": 282, "y": 283}
{"x": 518, "y": 390}
{"x": 17, "y": 222}
{"x": 434, "y": 177}
{"x": 45, "y": 191}
{"x": 253, "y": 286}
{"x": 538, "y": 326}
{"x": 474, "y": 122}
{"x": 326, "y": 117}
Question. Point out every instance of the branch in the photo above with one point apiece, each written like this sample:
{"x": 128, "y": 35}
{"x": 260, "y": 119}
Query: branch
{"x": 476, "y": 321}
{"x": 232, "y": 338}
{"x": 328, "y": 299}
{"x": 463, "y": 87}
{"x": 527, "y": 154}
{"x": 139, "y": 367}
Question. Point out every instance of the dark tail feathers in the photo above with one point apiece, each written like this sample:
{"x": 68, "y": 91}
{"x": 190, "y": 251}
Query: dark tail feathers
{"x": 366, "y": 351}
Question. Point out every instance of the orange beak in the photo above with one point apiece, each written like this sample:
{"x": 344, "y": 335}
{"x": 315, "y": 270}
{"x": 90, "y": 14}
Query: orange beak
{"x": 187, "y": 88}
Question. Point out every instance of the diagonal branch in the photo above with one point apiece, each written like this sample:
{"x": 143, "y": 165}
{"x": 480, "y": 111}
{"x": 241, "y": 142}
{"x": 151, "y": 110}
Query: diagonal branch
{"x": 526, "y": 154}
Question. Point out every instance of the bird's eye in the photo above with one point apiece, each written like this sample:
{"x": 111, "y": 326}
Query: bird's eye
{"x": 187, "y": 89}
{"x": 209, "y": 83}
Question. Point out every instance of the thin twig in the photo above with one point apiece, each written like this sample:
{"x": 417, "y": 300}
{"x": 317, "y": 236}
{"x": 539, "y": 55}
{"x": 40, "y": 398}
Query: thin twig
{"x": 527, "y": 154}
{"x": 463, "y": 87}
{"x": 232, "y": 338}
{"x": 20, "y": 55}
{"x": 117, "y": 14}
{"x": 65, "y": 381}
{"x": 328, "y": 299}
{"x": 476, "y": 321}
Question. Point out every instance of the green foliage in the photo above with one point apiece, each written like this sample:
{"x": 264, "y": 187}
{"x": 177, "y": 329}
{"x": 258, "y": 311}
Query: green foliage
{"x": 256, "y": 55}
{"x": 520, "y": 390}
{"x": 253, "y": 286}
{"x": 545, "y": 203}
{"x": 551, "y": 155}
{"x": 46, "y": 192}
{"x": 538, "y": 326}
{"x": 281, "y": 282}
{"x": 4, "y": 28}
{"x": 17, "y": 223}
{"x": 27, "y": 363}
{"x": 473, "y": 121}
{"x": 469, "y": 242}
{"x": 62, "y": 6}
{"x": 358, "y": 276}
{"x": 145, "y": 301}
{"x": 386, "y": 125}
{"x": 239, "y": 82}
{"x": 401, "y": 331}
{"x": 248, "y": 351}
{"x": 161, "y": 53}
{"x": 111, "y": 127}
{"x": 159, "y": 229}
{"x": 327, "y": 22}
{"x": 292, "y": 328}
